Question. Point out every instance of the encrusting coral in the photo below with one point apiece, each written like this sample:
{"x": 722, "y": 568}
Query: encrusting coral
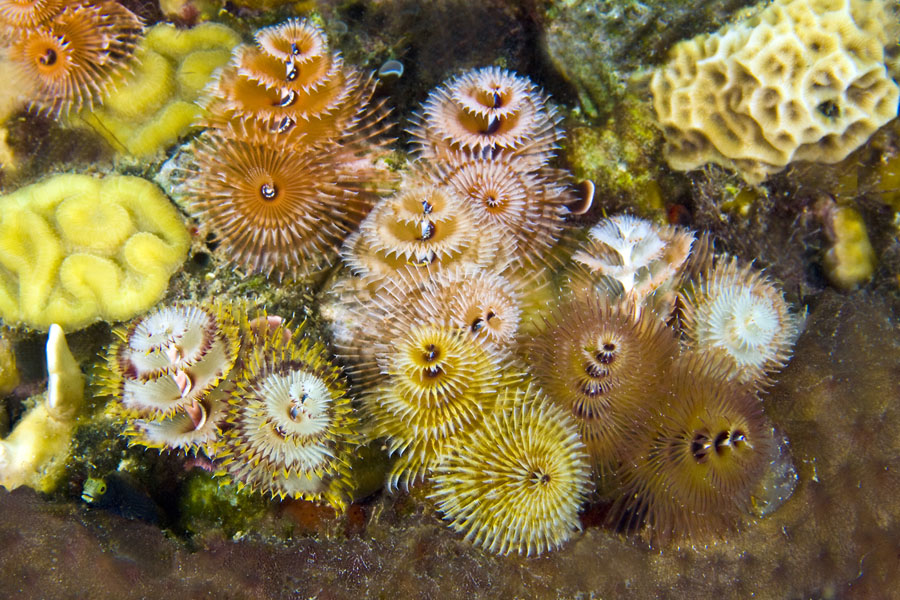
{"x": 802, "y": 80}
{"x": 35, "y": 451}
{"x": 515, "y": 483}
{"x": 72, "y": 53}
{"x": 155, "y": 104}
{"x": 299, "y": 136}
{"x": 77, "y": 249}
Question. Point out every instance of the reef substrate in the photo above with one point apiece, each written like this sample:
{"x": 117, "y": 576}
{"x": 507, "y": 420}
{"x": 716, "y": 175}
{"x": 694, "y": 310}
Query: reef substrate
{"x": 835, "y": 537}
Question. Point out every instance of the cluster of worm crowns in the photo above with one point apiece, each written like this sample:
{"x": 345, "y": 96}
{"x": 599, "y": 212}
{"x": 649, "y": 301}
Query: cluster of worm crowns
{"x": 516, "y": 383}
{"x": 252, "y": 393}
{"x": 428, "y": 322}
{"x": 286, "y": 166}
{"x": 68, "y": 53}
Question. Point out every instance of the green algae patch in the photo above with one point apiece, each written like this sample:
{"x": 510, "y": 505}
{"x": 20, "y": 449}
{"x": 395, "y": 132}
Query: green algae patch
{"x": 621, "y": 157}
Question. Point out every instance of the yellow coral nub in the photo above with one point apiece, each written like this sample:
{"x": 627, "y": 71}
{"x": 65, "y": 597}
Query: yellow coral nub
{"x": 603, "y": 363}
{"x": 739, "y": 313}
{"x": 439, "y": 383}
{"x": 485, "y": 112}
{"x": 293, "y": 427}
{"x": 515, "y": 483}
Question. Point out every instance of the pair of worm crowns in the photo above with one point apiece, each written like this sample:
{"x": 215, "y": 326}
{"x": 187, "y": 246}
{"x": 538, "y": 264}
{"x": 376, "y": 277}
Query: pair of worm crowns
{"x": 255, "y": 396}
{"x": 68, "y": 54}
{"x": 286, "y": 167}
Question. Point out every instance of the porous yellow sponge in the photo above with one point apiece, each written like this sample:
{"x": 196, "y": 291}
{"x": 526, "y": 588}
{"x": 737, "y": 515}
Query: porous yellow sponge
{"x": 75, "y": 249}
{"x": 803, "y": 80}
{"x": 155, "y": 106}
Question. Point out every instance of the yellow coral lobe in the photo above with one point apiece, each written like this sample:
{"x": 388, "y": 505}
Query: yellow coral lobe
{"x": 60, "y": 269}
{"x": 293, "y": 427}
{"x": 439, "y": 383}
{"x": 515, "y": 483}
{"x": 698, "y": 456}
{"x": 603, "y": 363}
{"x": 154, "y": 105}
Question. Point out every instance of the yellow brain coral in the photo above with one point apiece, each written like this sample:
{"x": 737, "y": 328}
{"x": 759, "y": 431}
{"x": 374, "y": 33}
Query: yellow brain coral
{"x": 803, "y": 80}
{"x": 155, "y": 105}
{"x": 75, "y": 249}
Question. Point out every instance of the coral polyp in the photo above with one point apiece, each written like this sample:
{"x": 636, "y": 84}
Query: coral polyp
{"x": 164, "y": 370}
{"x": 486, "y": 111}
{"x": 698, "y": 457}
{"x": 515, "y": 483}
{"x": 439, "y": 383}
{"x": 274, "y": 211}
{"x": 73, "y": 60}
{"x": 738, "y": 312}
{"x": 292, "y": 425}
{"x": 603, "y": 363}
